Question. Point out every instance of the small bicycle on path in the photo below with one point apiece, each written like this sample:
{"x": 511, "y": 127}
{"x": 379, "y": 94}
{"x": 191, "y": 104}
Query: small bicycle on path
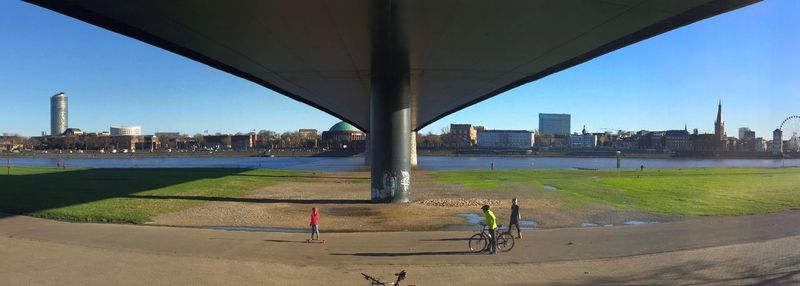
{"x": 480, "y": 241}
{"x": 376, "y": 282}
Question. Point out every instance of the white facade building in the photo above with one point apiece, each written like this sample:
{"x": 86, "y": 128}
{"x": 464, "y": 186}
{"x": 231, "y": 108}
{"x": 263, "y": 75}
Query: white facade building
{"x": 583, "y": 141}
{"x": 126, "y": 130}
{"x": 760, "y": 145}
{"x": 505, "y": 139}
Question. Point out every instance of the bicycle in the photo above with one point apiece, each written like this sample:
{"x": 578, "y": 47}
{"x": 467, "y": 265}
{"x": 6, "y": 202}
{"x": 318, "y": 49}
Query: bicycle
{"x": 480, "y": 241}
{"x": 376, "y": 282}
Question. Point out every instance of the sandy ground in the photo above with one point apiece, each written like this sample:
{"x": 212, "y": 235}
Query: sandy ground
{"x": 342, "y": 198}
{"x": 714, "y": 251}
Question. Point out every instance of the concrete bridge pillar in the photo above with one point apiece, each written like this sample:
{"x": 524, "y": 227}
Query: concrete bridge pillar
{"x": 413, "y": 151}
{"x": 390, "y": 105}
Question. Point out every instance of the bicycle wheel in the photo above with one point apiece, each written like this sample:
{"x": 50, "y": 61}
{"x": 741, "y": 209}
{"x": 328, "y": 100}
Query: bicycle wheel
{"x": 505, "y": 242}
{"x": 477, "y": 243}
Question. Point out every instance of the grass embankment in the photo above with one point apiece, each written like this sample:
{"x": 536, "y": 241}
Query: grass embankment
{"x": 719, "y": 191}
{"x": 125, "y": 195}
{"x": 138, "y": 195}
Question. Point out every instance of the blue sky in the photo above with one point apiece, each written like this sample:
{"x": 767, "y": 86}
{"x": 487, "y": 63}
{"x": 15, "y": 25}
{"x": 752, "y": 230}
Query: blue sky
{"x": 749, "y": 58}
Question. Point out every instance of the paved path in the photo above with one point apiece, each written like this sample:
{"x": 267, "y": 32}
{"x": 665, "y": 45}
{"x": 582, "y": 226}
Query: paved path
{"x": 33, "y": 246}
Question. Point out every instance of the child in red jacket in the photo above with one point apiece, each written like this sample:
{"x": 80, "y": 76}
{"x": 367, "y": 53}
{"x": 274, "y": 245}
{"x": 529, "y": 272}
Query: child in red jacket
{"x": 314, "y": 222}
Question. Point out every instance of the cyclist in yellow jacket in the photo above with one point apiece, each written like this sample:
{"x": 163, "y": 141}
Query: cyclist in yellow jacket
{"x": 491, "y": 224}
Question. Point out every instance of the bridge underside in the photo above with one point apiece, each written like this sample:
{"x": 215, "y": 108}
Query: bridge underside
{"x": 391, "y": 67}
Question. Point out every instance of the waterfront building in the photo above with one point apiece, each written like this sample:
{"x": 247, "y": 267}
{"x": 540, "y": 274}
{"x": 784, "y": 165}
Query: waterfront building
{"x": 243, "y": 141}
{"x": 742, "y": 131}
{"x": 126, "y": 130}
{"x": 217, "y": 141}
{"x": 760, "y": 145}
{"x": 170, "y": 135}
{"x": 344, "y": 135}
{"x": 308, "y": 137}
{"x": 583, "y": 140}
{"x": 132, "y": 142}
{"x": 793, "y": 145}
{"x": 554, "y": 124}
{"x": 703, "y": 142}
{"x": 651, "y": 139}
{"x": 98, "y": 133}
{"x": 58, "y": 114}
{"x": 676, "y": 140}
{"x": 505, "y": 139}
{"x": 749, "y": 135}
{"x": 307, "y": 133}
{"x": 463, "y": 135}
{"x": 777, "y": 141}
{"x": 546, "y": 140}
{"x": 72, "y": 132}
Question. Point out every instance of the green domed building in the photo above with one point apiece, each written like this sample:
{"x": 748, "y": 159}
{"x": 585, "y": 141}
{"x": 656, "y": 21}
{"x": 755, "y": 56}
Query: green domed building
{"x": 345, "y": 136}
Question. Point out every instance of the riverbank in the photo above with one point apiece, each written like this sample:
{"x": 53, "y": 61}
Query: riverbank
{"x": 625, "y": 154}
{"x": 275, "y": 198}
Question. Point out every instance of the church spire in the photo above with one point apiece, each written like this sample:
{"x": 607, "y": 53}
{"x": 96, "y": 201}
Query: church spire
{"x": 719, "y": 125}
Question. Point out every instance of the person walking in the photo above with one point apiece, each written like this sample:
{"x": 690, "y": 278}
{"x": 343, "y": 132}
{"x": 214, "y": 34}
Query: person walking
{"x": 515, "y": 218}
{"x": 314, "y": 223}
{"x": 491, "y": 224}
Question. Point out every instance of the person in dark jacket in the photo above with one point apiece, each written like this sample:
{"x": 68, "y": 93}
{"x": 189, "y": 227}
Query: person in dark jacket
{"x": 515, "y": 218}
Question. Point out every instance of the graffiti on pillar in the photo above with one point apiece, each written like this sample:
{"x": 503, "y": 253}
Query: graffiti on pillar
{"x": 405, "y": 180}
{"x": 389, "y": 183}
{"x": 388, "y": 187}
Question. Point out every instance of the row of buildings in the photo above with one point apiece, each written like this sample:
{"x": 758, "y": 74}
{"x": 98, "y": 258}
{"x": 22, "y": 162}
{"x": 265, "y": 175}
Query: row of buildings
{"x": 554, "y": 133}
{"x": 341, "y": 135}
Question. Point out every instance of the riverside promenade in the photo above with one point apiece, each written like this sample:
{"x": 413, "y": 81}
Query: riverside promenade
{"x": 725, "y": 251}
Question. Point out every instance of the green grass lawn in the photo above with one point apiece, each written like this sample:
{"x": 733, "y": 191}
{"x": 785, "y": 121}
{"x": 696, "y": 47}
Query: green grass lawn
{"x": 718, "y": 191}
{"x": 125, "y": 195}
{"x": 137, "y": 195}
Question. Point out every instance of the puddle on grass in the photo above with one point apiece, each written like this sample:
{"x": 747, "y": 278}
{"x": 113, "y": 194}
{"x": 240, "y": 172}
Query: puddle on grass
{"x": 258, "y": 229}
{"x": 589, "y": 224}
{"x": 471, "y": 217}
{"x": 473, "y": 220}
{"x": 549, "y": 187}
{"x": 638, "y": 222}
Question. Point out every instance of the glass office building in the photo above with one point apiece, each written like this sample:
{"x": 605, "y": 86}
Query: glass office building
{"x": 58, "y": 114}
{"x": 554, "y": 124}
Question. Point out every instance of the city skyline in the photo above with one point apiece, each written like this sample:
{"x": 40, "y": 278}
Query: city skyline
{"x": 114, "y": 80}
{"x": 718, "y": 126}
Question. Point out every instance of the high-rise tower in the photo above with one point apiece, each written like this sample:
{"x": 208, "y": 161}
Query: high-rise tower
{"x": 719, "y": 125}
{"x": 58, "y": 114}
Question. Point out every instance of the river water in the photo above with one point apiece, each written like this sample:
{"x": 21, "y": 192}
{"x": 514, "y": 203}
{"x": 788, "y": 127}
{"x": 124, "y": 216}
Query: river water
{"x": 329, "y": 164}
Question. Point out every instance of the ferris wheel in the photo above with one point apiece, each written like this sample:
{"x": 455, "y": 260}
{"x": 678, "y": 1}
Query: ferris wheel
{"x": 790, "y": 127}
